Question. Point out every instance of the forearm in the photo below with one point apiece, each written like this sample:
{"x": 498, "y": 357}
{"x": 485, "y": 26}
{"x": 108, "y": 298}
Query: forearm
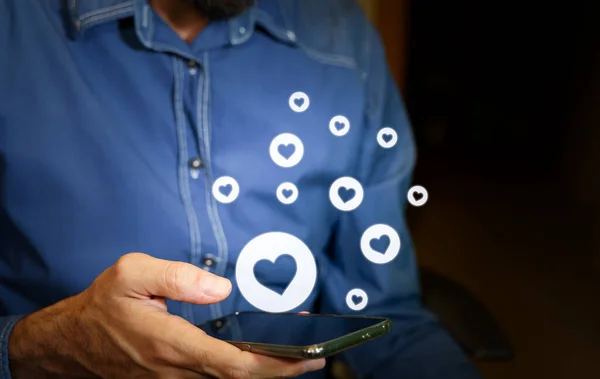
{"x": 41, "y": 344}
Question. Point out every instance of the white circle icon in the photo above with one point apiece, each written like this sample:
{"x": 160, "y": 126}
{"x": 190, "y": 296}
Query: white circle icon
{"x": 346, "y": 194}
{"x": 387, "y": 138}
{"x": 339, "y": 126}
{"x": 286, "y": 150}
{"x": 269, "y": 247}
{"x": 299, "y": 102}
{"x": 417, "y": 196}
{"x": 287, "y": 193}
{"x": 380, "y": 244}
{"x": 357, "y": 299}
{"x": 225, "y": 189}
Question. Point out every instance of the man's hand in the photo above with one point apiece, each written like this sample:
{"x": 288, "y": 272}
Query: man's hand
{"x": 120, "y": 328}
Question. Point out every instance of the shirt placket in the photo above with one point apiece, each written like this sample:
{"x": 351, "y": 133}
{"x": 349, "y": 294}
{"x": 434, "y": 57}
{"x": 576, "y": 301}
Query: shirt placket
{"x": 195, "y": 167}
{"x": 193, "y": 124}
{"x": 214, "y": 263}
{"x": 190, "y": 165}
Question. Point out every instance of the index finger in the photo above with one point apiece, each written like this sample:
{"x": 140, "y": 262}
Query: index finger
{"x": 142, "y": 275}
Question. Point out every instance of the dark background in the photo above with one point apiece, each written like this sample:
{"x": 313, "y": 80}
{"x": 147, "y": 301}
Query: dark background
{"x": 504, "y": 98}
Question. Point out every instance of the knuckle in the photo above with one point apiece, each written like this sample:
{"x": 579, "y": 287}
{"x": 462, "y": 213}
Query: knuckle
{"x": 122, "y": 268}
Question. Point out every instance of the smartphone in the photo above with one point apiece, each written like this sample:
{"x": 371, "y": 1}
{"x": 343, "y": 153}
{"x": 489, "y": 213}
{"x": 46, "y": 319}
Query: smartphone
{"x": 295, "y": 335}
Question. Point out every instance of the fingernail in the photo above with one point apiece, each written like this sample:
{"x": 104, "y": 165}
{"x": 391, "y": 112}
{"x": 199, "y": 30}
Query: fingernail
{"x": 215, "y": 286}
{"x": 314, "y": 364}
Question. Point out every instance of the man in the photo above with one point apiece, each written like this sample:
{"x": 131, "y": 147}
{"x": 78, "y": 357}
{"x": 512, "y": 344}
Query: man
{"x": 151, "y": 126}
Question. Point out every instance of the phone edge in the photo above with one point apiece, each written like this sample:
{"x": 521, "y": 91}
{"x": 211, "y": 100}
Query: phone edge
{"x": 328, "y": 348}
{"x": 320, "y": 350}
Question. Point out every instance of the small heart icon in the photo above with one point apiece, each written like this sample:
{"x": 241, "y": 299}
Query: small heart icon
{"x": 346, "y": 194}
{"x": 287, "y": 193}
{"x": 339, "y": 125}
{"x": 357, "y": 299}
{"x": 417, "y": 195}
{"x": 226, "y": 189}
{"x": 277, "y": 275}
{"x": 299, "y": 101}
{"x": 286, "y": 151}
{"x": 387, "y": 137}
{"x": 380, "y": 244}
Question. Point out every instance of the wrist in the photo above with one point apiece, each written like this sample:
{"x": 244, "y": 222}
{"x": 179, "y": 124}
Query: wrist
{"x": 17, "y": 347}
{"x": 41, "y": 345}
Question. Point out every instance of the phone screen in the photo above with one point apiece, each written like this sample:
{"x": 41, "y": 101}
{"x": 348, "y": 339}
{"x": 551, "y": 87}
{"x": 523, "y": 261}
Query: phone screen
{"x": 284, "y": 328}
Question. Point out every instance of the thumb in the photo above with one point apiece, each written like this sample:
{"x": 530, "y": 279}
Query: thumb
{"x": 148, "y": 276}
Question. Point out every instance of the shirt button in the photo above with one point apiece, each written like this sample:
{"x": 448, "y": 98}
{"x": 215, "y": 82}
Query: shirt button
{"x": 242, "y": 30}
{"x": 291, "y": 35}
{"x": 208, "y": 262}
{"x": 195, "y": 163}
{"x": 192, "y": 67}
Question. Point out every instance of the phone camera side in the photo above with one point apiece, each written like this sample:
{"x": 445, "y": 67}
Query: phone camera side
{"x": 313, "y": 352}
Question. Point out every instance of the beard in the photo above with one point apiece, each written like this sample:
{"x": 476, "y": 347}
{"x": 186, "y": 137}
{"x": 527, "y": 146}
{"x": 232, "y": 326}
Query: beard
{"x": 221, "y": 9}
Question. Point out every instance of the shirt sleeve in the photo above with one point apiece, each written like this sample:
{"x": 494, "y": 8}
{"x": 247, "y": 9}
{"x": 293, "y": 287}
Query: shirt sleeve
{"x": 6, "y": 326}
{"x": 416, "y": 346}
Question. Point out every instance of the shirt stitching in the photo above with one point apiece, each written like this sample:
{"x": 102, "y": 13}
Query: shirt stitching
{"x": 101, "y": 12}
{"x": 184, "y": 178}
{"x": 161, "y": 47}
{"x": 330, "y": 59}
{"x": 145, "y": 16}
{"x": 214, "y": 311}
{"x": 151, "y": 26}
{"x": 89, "y": 22}
{"x": 212, "y": 210}
{"x": 266, "y": 20}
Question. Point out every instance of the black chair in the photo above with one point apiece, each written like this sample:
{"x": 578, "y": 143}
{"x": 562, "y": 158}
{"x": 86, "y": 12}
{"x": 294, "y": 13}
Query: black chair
{"x": 467, "y": 320}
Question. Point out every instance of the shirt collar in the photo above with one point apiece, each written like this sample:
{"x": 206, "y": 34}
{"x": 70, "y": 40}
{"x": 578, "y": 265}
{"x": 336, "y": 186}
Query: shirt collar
{"x": 85, "y": 14}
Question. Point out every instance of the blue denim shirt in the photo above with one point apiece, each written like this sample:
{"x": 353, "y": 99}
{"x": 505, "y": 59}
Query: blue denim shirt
{"x": 102, "y": 109}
